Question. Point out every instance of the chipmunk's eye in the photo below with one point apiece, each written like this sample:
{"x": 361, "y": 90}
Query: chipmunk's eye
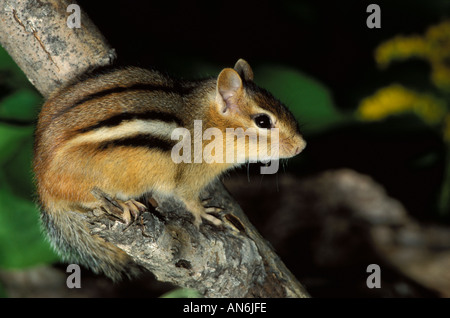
{"x": 263, "y": 121}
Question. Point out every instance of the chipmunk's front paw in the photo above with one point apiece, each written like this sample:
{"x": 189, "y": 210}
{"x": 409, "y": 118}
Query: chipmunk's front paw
{"x": 201, "y": 211}
{"x": 131, "y": 210}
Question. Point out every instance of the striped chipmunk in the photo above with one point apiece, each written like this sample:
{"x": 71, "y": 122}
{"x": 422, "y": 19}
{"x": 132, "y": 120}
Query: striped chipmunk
{"x": 113, "y": 131}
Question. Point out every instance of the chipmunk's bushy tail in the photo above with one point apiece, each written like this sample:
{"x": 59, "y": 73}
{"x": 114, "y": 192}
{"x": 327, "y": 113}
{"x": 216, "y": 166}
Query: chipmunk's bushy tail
{"x": 70, "y": 237}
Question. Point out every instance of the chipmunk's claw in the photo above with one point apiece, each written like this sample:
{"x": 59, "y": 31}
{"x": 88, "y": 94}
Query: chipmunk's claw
{"x": 131, "y": 210}
{"x": 209, "y": 212}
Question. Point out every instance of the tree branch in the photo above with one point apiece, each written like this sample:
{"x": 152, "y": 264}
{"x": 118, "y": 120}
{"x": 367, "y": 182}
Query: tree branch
{"x": 36, "y": 35}
{"x": 233, "y": 261}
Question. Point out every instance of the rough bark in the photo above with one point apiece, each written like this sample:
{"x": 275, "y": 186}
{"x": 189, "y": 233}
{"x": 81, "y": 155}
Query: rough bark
{"x": 232, "y": 261}
{"x": 36, "y": 35}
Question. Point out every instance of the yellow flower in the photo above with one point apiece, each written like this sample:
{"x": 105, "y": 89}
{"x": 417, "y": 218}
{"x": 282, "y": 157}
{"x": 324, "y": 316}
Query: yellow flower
{"x": 446, "y": 129}
{"x": 433, "y": 47}
{"x": 396, "y": 99}
{"x": 400, "y": 48}
{"x": 440, "y": 76}
{"x": 439, "y": 34}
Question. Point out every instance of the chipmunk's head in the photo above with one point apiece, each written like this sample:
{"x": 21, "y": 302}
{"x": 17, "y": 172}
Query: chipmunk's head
{"x": 240, "y": 103}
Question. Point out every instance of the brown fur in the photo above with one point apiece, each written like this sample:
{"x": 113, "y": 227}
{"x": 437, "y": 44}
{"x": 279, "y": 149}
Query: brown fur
{"x": 90, "y": 134}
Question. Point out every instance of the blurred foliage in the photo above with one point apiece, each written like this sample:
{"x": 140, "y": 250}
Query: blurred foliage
{"x": 21, "y": 242}
{"x": 432, "y": 107}
{"x": 181, "y": 293}
{"x": 28, "y": 101}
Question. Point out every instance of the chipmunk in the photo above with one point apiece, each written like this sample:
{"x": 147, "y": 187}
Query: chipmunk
{"x": 113, "y": 131}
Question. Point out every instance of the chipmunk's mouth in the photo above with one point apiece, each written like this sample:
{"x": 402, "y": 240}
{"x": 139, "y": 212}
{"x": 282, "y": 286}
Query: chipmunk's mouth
{"x": 300, "y": 146}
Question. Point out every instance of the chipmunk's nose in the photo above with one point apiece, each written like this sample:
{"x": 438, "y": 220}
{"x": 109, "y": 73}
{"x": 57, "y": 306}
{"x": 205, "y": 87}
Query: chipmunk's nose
{"x": 300, "y": 147}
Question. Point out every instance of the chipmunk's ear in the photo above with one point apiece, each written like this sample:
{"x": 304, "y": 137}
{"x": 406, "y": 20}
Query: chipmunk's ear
{"x": 229, "y": 90}
{"x": 244, "y": 70}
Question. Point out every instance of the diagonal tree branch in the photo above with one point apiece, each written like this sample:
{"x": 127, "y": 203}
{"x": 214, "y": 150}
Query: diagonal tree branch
{"x": 233, "y": 261}
{"x": 36, "y": 35}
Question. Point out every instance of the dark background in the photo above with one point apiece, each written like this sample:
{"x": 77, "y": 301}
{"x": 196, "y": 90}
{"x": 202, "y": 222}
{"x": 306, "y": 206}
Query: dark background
{"x": 326, "y": 39}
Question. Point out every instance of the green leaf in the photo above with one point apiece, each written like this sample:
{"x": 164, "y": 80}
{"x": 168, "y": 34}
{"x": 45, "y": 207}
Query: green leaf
{"x": 22, "y": 243}
{"x": 18, "y": 171}
{"x": 22, "y": 105}
{"x": 182, "y": 293}
{"x": 10, "y": 73}
{"x": 12, "y": 139}
{"x": 5, "y": 60}
{"x": 309, "y": 101}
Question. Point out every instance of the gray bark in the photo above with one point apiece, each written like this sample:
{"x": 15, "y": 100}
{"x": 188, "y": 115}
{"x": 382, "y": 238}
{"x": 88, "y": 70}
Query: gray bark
{"x": 36, "y": 35}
